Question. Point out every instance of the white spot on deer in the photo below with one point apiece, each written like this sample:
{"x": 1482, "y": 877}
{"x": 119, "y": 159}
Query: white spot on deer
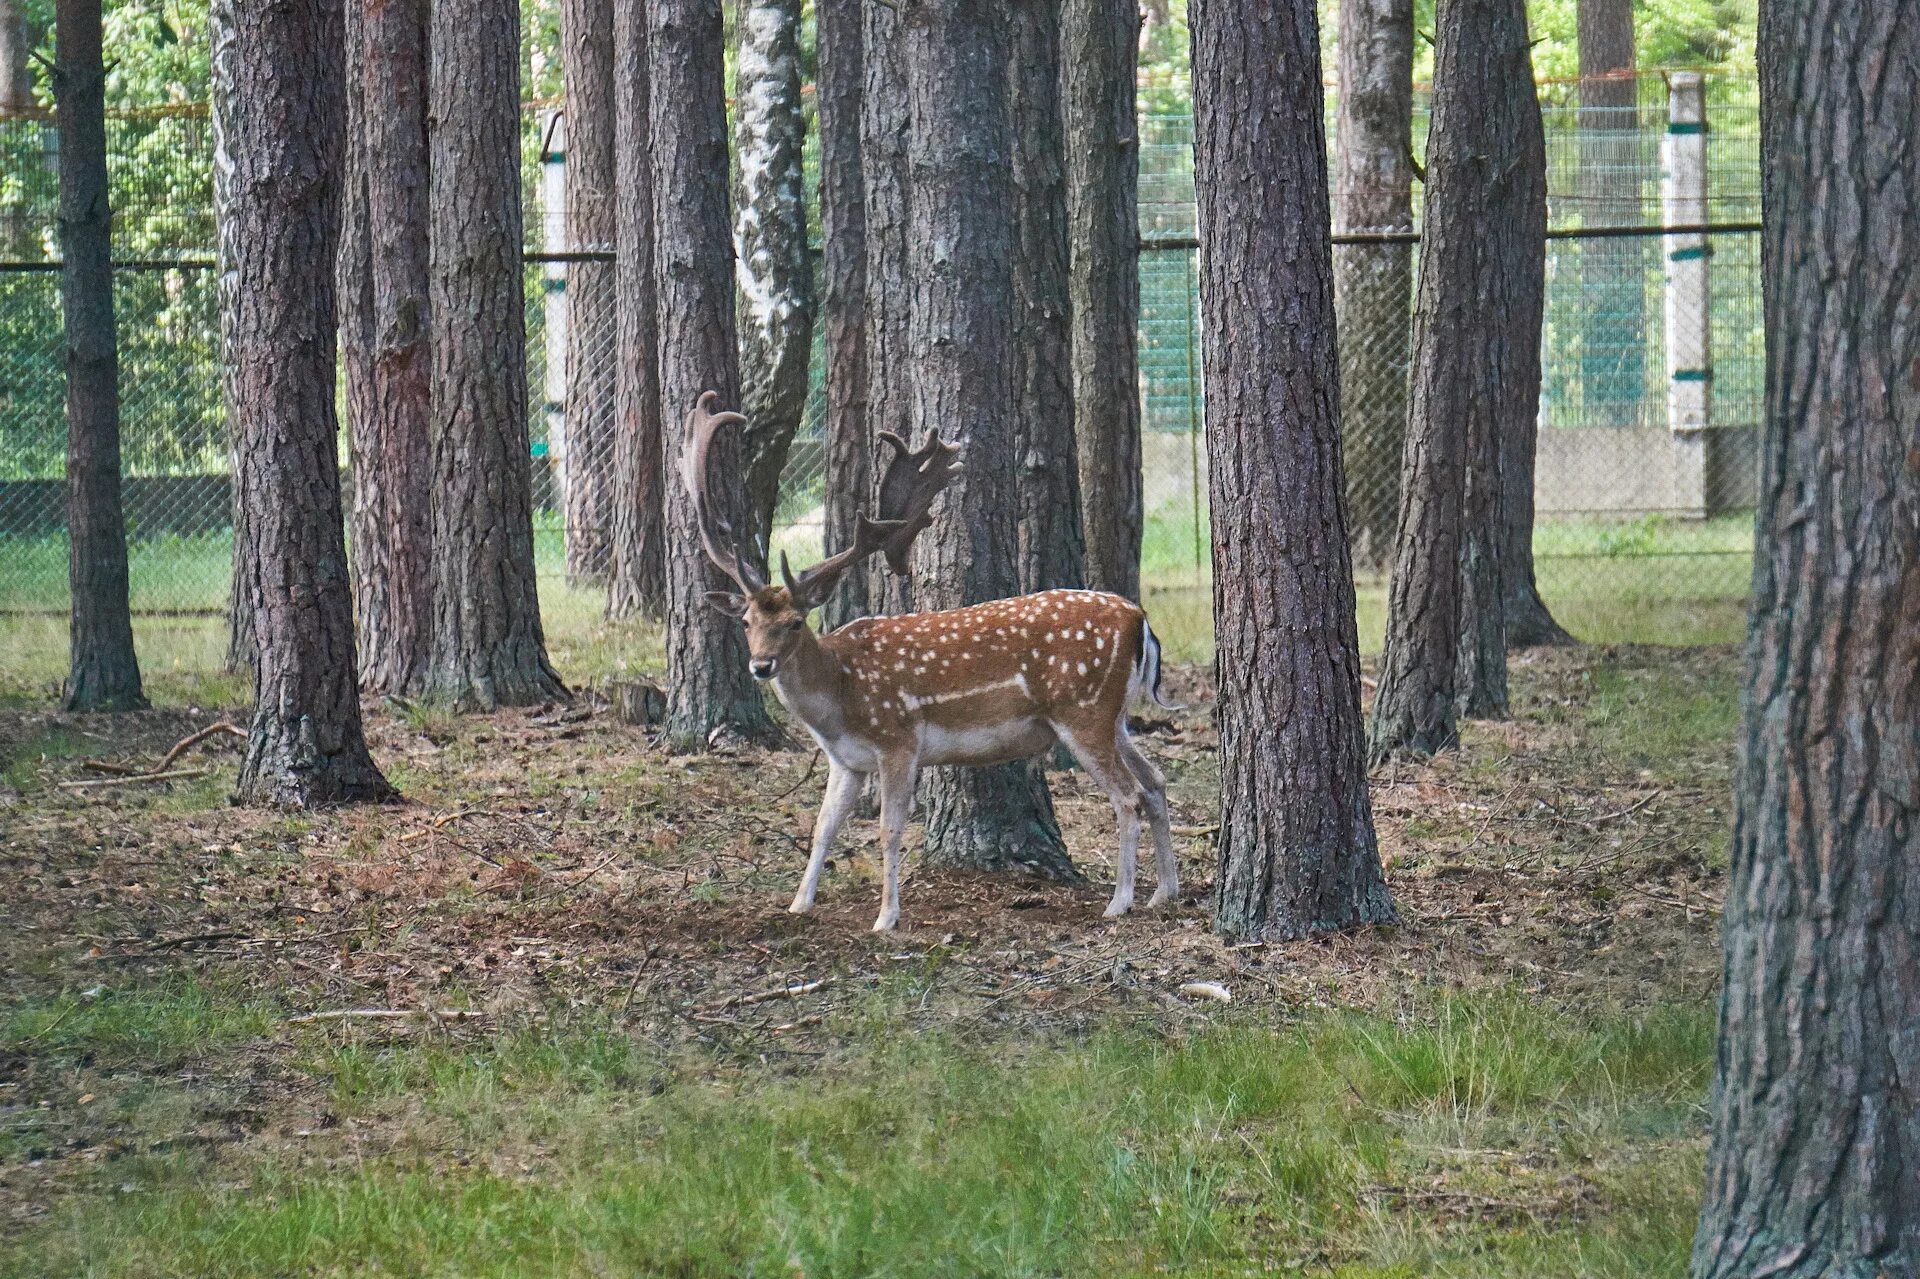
{"x": 1079, "y": 635}
{"x": 1083, "y": 668}
{"x": 1099, "y": 641}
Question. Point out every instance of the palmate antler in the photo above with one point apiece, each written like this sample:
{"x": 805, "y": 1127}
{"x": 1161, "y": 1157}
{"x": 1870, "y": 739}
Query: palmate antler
{"x": 913, "y": 479}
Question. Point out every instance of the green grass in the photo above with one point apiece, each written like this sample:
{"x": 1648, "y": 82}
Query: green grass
{"x": 573, "y": 1151}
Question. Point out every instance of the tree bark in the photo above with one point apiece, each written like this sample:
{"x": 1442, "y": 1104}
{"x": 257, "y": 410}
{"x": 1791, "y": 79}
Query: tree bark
{"x": 775, "y": 266}
{"x": 1612, "y": 330}
{"x": 961, "y": 215}
{"x": 488, "y": 646}
{"x": 1052, "y": 551}
{"x": 390, "y": 392}
{"x": 103, "y": 674}
{"x": 221, "y": 76}
{"x": 840, "y": 88}
{"x": 639, "y": 575}
{"x": 708, "y": 688}
{"x": 1476, "y": 365}
{"x": 1814, "y": 1168}
{"x": 1296, "y": 845}
{"x": 885, "y": 124}
{"x": 1373, "y": 191}
{"x": 1100, "y": 53}
{"x": 17, "y": 38}
{"x": 587, "y": 65}
{"x": 286, "y": 134}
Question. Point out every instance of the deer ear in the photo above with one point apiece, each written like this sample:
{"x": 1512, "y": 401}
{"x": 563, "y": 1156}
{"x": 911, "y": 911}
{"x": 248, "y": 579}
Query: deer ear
{"x": 729, "y": 603}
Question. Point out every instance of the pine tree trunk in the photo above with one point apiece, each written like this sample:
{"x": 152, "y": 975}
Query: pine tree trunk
{"x": 1814, "y": 1168}
{"x": 1296, "y": 845}
{"x": 708, "y": 687}
{"x": 1052, "y": 548}
{"x": 390, "y": 395}
{"x": 488, "y": 646}
{"x": 17, "y": 39}
{"x": 1613, "y": 324}
{"x": 961, "y": 211}
{"x": 775, "y": 266}
{"x": 1475, "y": 367}
{"x": 103, "y": 674}
{"x": 587, "y": 31}
{"x": 1100, "y": 42}
{"x": 843, "y": 227}
{"x": 286, "y": 136}
{"x": 221, "y": 74}
{"x": 1373, "y": 191}
{"x": 885, "y": 124}
{"x": 639, "y": 574}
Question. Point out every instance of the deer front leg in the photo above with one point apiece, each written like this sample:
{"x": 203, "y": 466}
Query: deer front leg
{"x": 843, "y": 791}
{"x": 896, "y": 802}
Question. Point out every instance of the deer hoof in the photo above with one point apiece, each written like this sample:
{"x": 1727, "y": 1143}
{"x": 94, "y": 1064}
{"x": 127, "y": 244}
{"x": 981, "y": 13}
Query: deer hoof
{"x": 885, "y": 923}
{"x": 1118, "y": 907}
{"x": 800, "y": 906}
{"x": 1163, "y": 895}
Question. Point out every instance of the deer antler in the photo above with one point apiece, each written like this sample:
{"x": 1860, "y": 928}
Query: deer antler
{"x": 715, "y": 533}
{"x": 913, "y": 479}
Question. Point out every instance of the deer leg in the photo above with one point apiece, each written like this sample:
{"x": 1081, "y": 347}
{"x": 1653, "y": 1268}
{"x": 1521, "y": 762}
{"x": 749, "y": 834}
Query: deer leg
{"x": 843, "y": 791}
{"x": 1106, "y": 767}
{"x": 1166, "y": 869}
{"x": 896, "y": 802}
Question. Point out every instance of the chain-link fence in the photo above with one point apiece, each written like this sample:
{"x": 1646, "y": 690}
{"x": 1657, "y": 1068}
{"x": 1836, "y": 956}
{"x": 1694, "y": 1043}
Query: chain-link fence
{"x": 1651, "y": 354}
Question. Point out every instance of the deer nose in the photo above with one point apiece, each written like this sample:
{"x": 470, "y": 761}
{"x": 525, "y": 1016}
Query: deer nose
{"x": 762, "y": 667}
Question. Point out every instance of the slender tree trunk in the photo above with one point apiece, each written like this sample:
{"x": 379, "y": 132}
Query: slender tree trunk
{"x": 708, "y": 688}
{"x": 17, "y": 38}
{"x": 1297, "y": 851}
{"x": 1612, "y": 330}
{"x": 392, "y": 405}
{"x": 592, "y": 371}
{"x": 639, "y": 576}
{"x": 221, "y": 76}
{"x": 1100, "y": 52}
{"x": 488, "y": 646}
{"x": 286, "y": 134}
{"x": 885, "y": 124}
{"x": 843, "y": 226}
{"x": 1815, "y": 1162}
{"x": 1052, "y": 548}
{"x": 103, "y": 675}
{"x": 1475, "y": 366}
{"x": 1373, "y": 191}
{"x": 961, "y": 208}
{"x": 775, "y": 267}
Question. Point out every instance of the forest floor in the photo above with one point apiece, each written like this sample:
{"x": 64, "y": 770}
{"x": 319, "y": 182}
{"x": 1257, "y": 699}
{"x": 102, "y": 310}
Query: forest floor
{"x": 549, "y": 1016}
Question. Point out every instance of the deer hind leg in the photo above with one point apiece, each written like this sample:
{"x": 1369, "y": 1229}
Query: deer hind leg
{"x": 896, "y": 802}
{"x": 1104, "y": 763}
{"x": 1166, "y": 869}
{"x": 843, "y": 792}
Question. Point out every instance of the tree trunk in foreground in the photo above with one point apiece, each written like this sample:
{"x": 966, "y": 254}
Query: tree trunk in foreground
{"x": 1475, "y": 366}
{"x": 961, "y": 199}
{"x": 488, "y": 646}
{"x": 587, "y": 62}
{"x": 391, "y": 430}
{"x": 1815, "y": 1163}
{"x": 770, "y": 232}
{"x": 103, "y": 674}
{"x": 886, "y": 116}
{"x": 1297, "y": 851}
{"x": 1373, "y": 191}
{"x": 843, "y": 231}
{"x": 305, "y": 747}
{"x": 638, "y": 583}
{"x": 1100, "y": 43}
{"x": 1052, "y": 549}
{"x": 708, "y": 688}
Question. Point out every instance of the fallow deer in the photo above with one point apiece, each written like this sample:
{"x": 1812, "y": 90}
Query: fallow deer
{"x": 980, "y": 685}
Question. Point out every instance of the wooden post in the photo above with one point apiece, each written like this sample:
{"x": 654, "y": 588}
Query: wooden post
{"x": 553, "y": 287}
{"x": 1683, "y": 193}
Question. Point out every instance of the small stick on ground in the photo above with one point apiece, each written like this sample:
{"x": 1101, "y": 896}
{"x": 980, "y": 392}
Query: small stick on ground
{"x": 384, "y": 1014}
{"x": 192, "y": 740}
{"x": 137, "y": 778}
{"x": 785, "y": 992}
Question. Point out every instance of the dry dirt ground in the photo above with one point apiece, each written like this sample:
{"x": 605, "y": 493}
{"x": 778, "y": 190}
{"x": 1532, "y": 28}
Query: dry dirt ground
{"x": 557, "y": 859}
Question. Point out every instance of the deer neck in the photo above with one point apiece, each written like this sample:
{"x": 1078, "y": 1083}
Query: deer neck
{"x": 812, "y": 683}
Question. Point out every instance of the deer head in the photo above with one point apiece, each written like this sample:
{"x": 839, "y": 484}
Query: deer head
{"x": 776, "y": 615}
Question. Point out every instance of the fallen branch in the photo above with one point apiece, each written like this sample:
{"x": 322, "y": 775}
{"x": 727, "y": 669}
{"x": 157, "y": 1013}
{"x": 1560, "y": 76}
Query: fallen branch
{"x": 192, "y": 740}
{"x": 98, "y": 783}
{"x": 786, "y": 992}
{"x": 383, "y": 1014}
{"x": 564, "y": 889}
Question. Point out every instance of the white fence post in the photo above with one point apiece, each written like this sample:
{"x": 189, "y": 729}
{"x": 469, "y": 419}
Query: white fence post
{"x": 1683, "y": 192}
{"x": 554, "y": 238}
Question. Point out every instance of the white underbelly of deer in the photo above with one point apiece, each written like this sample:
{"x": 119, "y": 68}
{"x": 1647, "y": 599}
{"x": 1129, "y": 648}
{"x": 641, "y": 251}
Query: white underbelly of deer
{"x": 983, "y": 743}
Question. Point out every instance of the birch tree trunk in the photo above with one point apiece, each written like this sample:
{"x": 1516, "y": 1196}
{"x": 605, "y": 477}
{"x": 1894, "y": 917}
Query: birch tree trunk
{"x": 843, "y": 226}
{"x": 1814, "y": 1168}
{"x": 774, "y": 265}
{"x": 103, "y": 674}
{"x": 1297, "y": 850}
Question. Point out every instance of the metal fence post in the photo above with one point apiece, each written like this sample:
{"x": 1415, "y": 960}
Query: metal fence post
{"x": 553, "y": 283}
